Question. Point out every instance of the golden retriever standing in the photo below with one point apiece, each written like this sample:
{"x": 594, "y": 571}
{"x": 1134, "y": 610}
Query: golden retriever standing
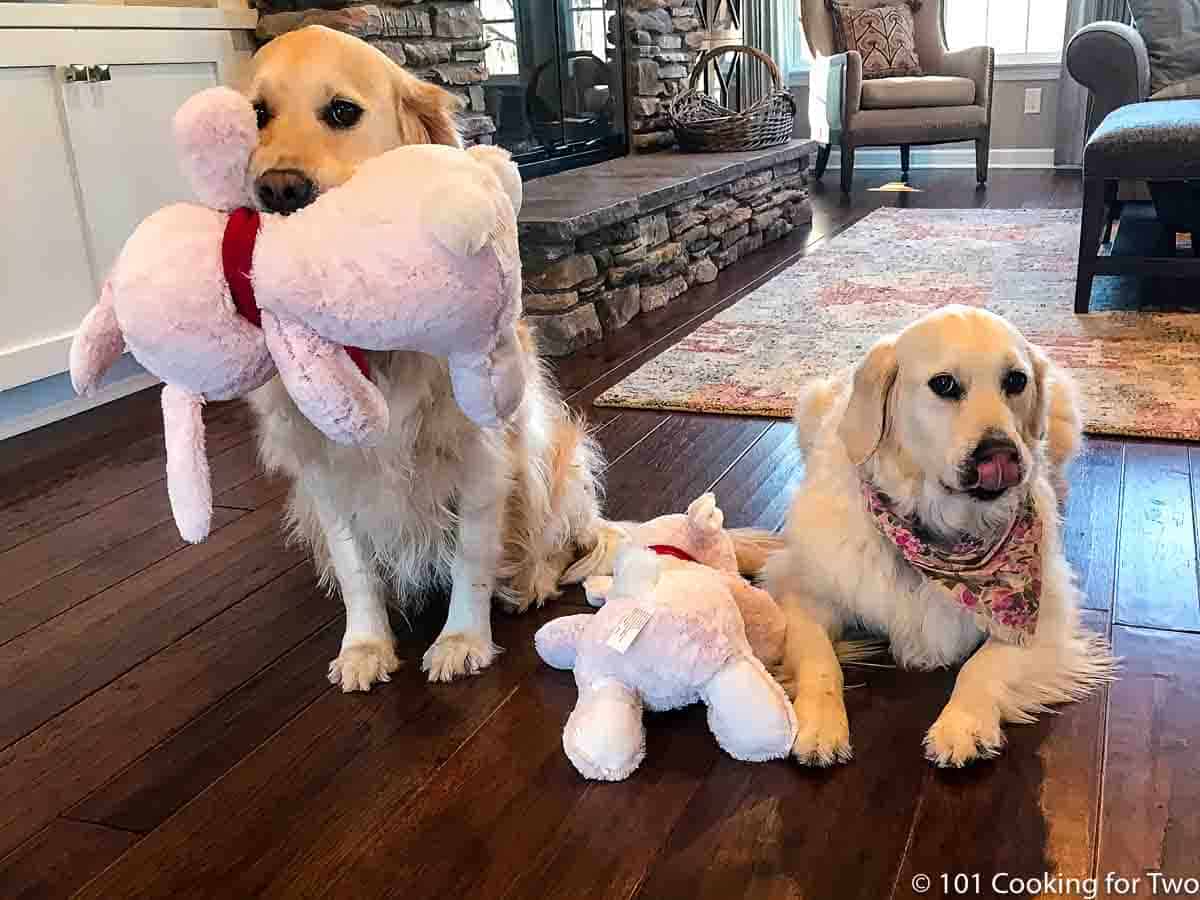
{"x": 490, "y": 512}
{"x": 959, "y": 427}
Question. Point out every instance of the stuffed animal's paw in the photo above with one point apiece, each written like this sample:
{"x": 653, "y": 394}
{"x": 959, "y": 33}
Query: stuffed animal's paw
{"x": 360, "y": 665}
{"x": 596, "y": 589}
{"x": 823, "y": 732}
{"x": 455, "y": 655}
{"x": 464, "y": 227}
{"x": 960, "y": 737}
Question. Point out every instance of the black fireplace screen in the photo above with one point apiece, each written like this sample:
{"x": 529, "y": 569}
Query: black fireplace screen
{"x": 554, "y": 81}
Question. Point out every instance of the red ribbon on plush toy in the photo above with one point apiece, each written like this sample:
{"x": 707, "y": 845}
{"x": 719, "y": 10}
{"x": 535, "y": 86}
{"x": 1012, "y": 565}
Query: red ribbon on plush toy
{"x": 237, "y": 257}
{"x": 669, "y": 550}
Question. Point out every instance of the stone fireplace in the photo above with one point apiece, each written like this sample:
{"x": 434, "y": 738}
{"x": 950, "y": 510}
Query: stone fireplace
{"x": 560, "y": 83}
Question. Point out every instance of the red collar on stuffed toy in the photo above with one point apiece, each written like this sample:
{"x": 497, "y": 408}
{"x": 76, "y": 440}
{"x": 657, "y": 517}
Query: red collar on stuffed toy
{"x": 237, "y": 256}
{"x": 668, "y": 550}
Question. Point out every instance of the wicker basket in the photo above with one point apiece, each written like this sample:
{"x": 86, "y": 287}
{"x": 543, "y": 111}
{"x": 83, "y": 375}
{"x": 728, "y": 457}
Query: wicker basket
{"x": 703, "y": 125}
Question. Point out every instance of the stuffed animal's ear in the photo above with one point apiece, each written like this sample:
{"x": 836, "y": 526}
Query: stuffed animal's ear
{"x": 425, "y": 112}
{"x": 556, "y": 641}
{"x": 216, "y": 130}
{"x": 865, "y": 419}
{"x": 500, "y": 161}
{"x": 704, "y": 514}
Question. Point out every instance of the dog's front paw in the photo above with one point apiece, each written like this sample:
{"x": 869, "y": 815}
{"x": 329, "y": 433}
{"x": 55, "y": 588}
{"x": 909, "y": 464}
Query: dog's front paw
{"x": 960, "y": 737}
{"x": 455, "y": 655}
{"x": 823, "y": 732}
{"x": 362, "y": 664}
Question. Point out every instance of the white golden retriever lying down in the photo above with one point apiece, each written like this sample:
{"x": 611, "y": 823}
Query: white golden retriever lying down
{"x": 952, "y": 434}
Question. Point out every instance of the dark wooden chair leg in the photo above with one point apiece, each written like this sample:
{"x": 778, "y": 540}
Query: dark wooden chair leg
{"x": 847, "y": 168}
{"x": 982, "y": 146}
{"x": 1112, "y": 209}
{"x": 904, "y": 160}
{"x": 823, "y": 152}
{"x": 1089, "y": 240}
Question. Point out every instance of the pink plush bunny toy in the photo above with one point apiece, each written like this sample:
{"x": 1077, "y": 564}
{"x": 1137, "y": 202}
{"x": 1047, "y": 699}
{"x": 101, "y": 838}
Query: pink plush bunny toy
{"x": 417, "y": 251}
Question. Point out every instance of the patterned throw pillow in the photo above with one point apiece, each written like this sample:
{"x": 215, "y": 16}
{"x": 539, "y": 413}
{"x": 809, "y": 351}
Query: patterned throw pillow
{"x": 885, "y": 36}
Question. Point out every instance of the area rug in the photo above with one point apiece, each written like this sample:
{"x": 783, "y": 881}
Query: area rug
{"x": 1139, "y": 371}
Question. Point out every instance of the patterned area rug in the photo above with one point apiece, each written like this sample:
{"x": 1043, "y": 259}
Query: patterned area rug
{"x": 1139, "y": 371}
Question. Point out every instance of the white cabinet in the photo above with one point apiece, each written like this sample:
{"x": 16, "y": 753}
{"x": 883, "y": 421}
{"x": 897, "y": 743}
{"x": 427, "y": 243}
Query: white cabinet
{"x": 120, "y": 133}
{"x": 82, "y": 163}
{"x": 46, "y": 281}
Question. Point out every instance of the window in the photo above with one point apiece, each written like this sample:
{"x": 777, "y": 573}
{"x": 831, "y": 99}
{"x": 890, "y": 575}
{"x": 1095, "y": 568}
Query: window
{"x": 1024, "y": 33}
{"x": 1012, "y": 27}
{"x": 587, "y": 27}
{"x": 795, "y": 48}
{"x": 500, "y": 29}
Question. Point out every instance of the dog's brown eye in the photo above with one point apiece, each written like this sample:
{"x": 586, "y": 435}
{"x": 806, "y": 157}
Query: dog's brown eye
{"x": 1014, "y": 382}
{"x": 263, "y": 114}
{"x": 342, "y": 113}
{"x": 945, "y": 386}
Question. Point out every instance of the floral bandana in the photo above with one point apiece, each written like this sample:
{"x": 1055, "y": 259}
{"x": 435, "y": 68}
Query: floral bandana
{"x": 1001, "y": 583}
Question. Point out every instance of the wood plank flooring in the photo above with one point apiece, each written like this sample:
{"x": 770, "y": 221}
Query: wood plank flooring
{"x": 167, "y": 729}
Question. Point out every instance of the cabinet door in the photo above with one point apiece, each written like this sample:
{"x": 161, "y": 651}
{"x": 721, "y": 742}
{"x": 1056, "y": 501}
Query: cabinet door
{"x": 120, "y": 131}
{"x": 46, "y": 284}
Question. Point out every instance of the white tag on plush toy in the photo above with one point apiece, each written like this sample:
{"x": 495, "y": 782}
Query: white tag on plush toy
{"x": 628, "y": 627}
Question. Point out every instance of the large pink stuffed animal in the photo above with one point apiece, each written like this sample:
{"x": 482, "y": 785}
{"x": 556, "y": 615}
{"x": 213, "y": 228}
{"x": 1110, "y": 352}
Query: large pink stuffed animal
{"x": 417, "y": 251}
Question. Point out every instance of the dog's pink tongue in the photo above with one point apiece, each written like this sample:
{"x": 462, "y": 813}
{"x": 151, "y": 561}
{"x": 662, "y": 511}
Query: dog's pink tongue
{"x": 999, "y": 472}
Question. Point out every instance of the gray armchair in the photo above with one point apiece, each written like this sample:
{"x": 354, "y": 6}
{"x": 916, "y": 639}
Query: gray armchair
{"x": 1110, "y": 60}
{"x": 952, "y": 101}
{"x": 1118, "y": 66}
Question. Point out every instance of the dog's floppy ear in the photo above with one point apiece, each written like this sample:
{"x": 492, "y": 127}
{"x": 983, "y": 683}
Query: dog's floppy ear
{"x": 865, "y": 419}
{"x": 1036, "y": 421}
{"x": 425, "y": 111}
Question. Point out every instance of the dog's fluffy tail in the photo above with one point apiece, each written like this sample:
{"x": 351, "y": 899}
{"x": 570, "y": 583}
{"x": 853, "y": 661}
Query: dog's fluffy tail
{"x": 752, "y": 547}
{"x": 816, "y": 400}
{"x": 1080, "y": 666}
{"x": 601, "y": 559}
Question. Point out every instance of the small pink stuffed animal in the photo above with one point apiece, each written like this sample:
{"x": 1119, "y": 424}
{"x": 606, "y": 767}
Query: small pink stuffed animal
{"x": 417, "y": 251}
{"x": 678, "y": 626}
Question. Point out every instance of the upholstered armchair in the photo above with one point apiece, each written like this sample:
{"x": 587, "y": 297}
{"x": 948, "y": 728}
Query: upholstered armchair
{"x": 950, "y": 101}
{"x": 1156, "y": 58}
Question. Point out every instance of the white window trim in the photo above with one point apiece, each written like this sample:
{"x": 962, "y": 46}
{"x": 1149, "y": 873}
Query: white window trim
{"x": 1009, "y": 67}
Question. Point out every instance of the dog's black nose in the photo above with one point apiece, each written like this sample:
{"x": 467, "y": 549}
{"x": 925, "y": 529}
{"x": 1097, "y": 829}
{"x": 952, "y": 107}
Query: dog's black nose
{"x": 284, "y": 190}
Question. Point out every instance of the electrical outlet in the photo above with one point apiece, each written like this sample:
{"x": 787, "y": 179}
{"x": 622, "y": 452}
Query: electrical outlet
{"x": 1033, "y": 101}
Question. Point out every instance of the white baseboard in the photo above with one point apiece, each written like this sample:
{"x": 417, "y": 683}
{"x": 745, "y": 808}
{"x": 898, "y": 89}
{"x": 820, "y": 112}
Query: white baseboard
{"x": 75, "y": 405}
{"x": 949, "y": 158}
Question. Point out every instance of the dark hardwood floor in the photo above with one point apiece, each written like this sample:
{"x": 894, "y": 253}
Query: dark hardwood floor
{"x": 166, "y": 729}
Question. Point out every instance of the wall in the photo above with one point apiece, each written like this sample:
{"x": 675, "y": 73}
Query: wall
{"x": 1011, "y": 128}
